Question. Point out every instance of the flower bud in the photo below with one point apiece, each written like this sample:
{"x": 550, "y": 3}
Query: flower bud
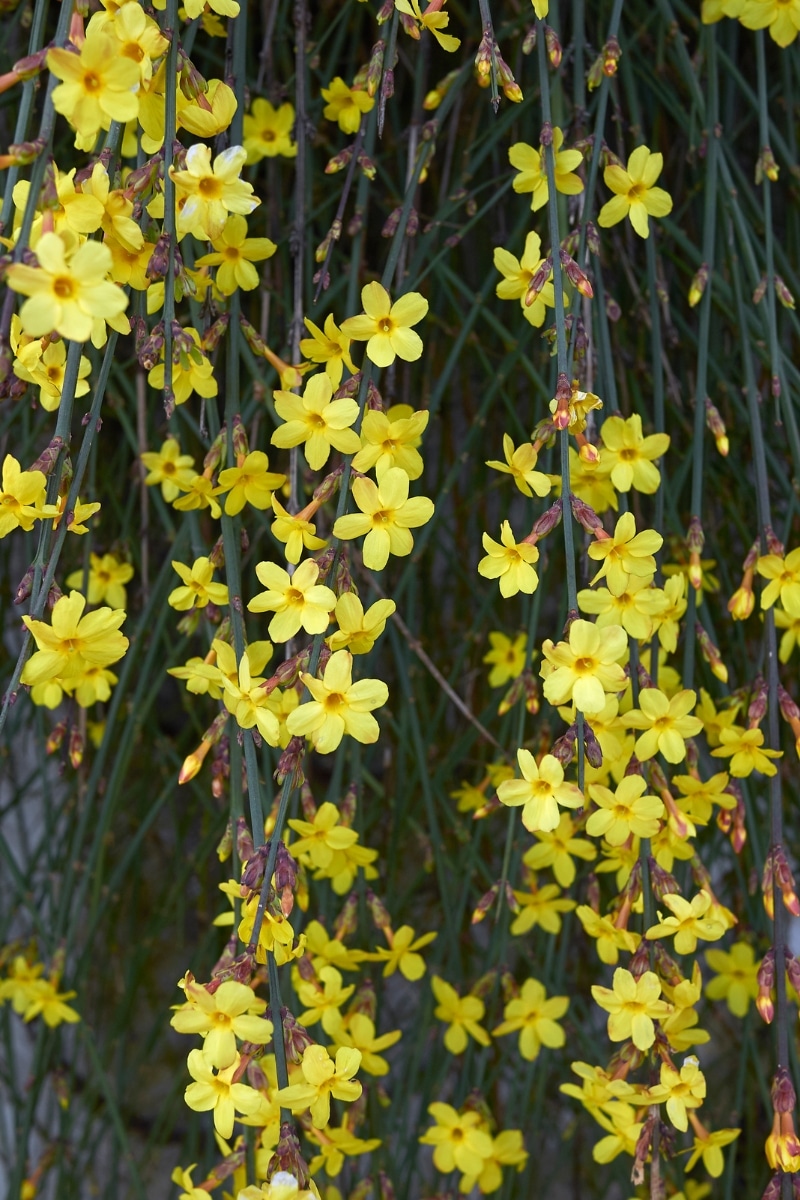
{"x": 611, "y": 56}
{"x": 347, "y": 920}
{"x": 698, "y": 285}
{"x": 782, "y": 292}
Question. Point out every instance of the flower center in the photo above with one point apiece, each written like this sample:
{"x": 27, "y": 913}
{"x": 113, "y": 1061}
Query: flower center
{"x": 133, "y": 50}
{"x": 635, "y": 193}
{"x": 628, "y": 454}
{"x": 63, "y": 287}
{"x": 295, "y": 596}
{"x": 268, "y": 135}
{"x": 382, "y": 518}
{"x": 334, "y": 702}
{"x": 209, "y": 187}
{"x": 386, "y": 325}
{"x": 91, "y": 82}
{"x": 585, "y": 666}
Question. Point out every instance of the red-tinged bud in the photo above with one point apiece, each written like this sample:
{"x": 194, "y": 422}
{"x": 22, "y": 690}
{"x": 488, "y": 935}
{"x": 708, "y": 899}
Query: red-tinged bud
{"x": 546, "y": 523}
{"x": 594, "y": 752}
{"x": 347, "y": 920}
{"x": 47, "y": 460}
{"x": 75, "y": 747}
{"x": 290, "y": 763}
{"x": 305, "y": 969}
{"x": 241, "y": 447}
{"x": 213, "y": 335}
{"x": 372, "y": 76}
{"x": 216, "y": 452}
{"x": 611, "y": 56}
{"x": 792, "y": 969}
{"x": 538, "y": 280}
{"x": 774, "y": 544}
{"x": 564, "y": 748}
{"x": 716, "y": 425}
{"x": 662, "y": 882}
{"x": 347, "y": 806}
{"x": 285, "y": 879}
{"x": 640, "y": 960}
{"x": 563, "y": 396}
{"x": 392, "y": 222}
{"x": 485, "y": 903}
{"x": 24, "y": 587}
{"x": 572, "y": 616}
{"x": 225, "y": 960}
{"x": 491, "y": 806}
{"x": 766, "y": 982}
{"x": 152, "y": 348}
{"x": 789, "y": 709}
{"x": 739, "y": 831}
{"x": 758, "y": 703}
{"x": 782, "y": 292}
{"x": 378, "y": 911}
{"x": 742, "y": 602}
{"x": 785, "y": 880}
{"x": 56, "y": 737}
{"x": 387, "y": 1187}
{"x": 512, "y": 696}
{"x": 225, "y": 844}
{"x": 782, "y": 1093}
{"x": 287, "y": 1156}
{"x": 364, "y": 999}
{"x": 766, "y": 166}
{"x": 368, "y": 168}
{"x": 760, "y": 290}
{"x": 529, "y": 41}
{"x": 192, "y": 84}
{"x": 554, "y": 51}
{"x": 510, "y": 987}
{"x": 511, "y": 899}
{"x": 710, "y": 653}
{"x": 698, "y": 285}
{"x": 333, "y": 235}
{"x": 666, "y": 966}
{"x": 193, "y": 762}
{"x": 586, "y": 451}
{"x": 339, "y": 161}
{"x": 483, "y": 59}
{"x": 362, "y": 1190}
{"x": 575, "y": 275}
{"x": 634, "y": 767}
{"x": 643, "y": 676}
{"x": 253, "y": 872}
{"x": 531, "y": 691}
{"x": 627, "y": 1059}
{"x": 775, "y": 1186}
{"x": 593, "y": 892}
{"x": 585, "y": 515}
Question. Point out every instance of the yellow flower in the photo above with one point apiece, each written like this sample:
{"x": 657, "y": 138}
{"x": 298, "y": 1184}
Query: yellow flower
{"x": 584, "y": 668}
{"x": 540, "y": 790}
{"x": 138, "y": 36}
{"x": 323, "y": 1078}
{"x": 316, "y": 422}
{"x": 268, "y": 131}
{"x": 387, "y": 516}
{"x": 231, "y": 1012}
{"x": 211, "y": 192}
{"x": 510, "y": 562}
{"x": 540, "y": 906}
{"x": 628, "y": 456}
{"x": 335, "y": 1144}
{"x": 781, "y": 17}
{"x": 517, "y": 275}
{"x": 198, "y": 492}
{"x": 687, "y": 923}
{"x": 297, "y": 600}
{"x": 358, "y": 630}
{"x": 461, "y": 1014}
{"x": 402, "y": 953}
{"x": 218, "y": 1093}
{"x": 591, "y": 483}
{"x": 193, "y": 372}
{"x": 625, "y": 553}
{"x": 115, "y": 209}
{"x": 633, "y": 1005}
{"x": 68, "y": 290}
{"x": 245, "y": 698}
{"x": 459, "y": 1142}
{"x": 536, "y": 1018}
{"x": 532, "y": 173}
{"x": 507, "y": 658}
{"x": 784, "y": 577}
{"x": 520, "y": 465}
{"x": 635, "y": 195}
{"x": 433, "y": 19}
{"x": 250, "y": 483}
{"x": 624, "y": 812}
{"x": 666, "y": 723}
{"x": 345, "y": 105}
{"x": 46, "y": 368}
{"x": 623, "y": 1131}
{"x": 746, "y": 746}
{"x": 339, "y": 706}
{"x": 358, "y": 1030}
{"x": 634, "y": 609}
{"x": 21, "y": 497}
{"x": 107, "y": 579}
{"x": 610, "y": 940}
{"x": 294, "y": 531}
{"x": 708, "y": 1146}
{"x": 198, "y": 589}
{"x": 736, "y": 980}
{"x": 791, "y": 635}
{"x": 323, "y": 1003}
{"x": 184, "y": 1180}
{"x": 386, "y": 327}
{"x": 556, "y": 848}
{"x": 680, "y": 1089}
{"x": 389, "y": 443}
{"x": 99, "y": 85}
{"x": 330, "y": 346}
{"x": 45, "y": 1000}
{"x": 508, "y": 1150}
{"x": 73, "y": 641}
{"x": 234, "y": 255}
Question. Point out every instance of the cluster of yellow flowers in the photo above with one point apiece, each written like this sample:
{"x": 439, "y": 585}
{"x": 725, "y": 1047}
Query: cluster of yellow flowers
{"x": 31, "y": 994}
